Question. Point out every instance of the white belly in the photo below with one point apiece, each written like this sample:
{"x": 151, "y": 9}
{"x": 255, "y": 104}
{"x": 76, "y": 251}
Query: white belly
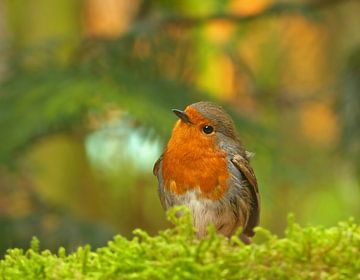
{"x": 206, "y": 211}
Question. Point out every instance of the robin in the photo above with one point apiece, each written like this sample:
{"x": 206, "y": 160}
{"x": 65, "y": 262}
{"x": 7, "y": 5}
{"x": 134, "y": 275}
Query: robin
{"x": 206, "y": 168}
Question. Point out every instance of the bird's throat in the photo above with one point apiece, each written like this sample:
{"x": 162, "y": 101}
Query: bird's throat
{"x": 195, "y": 165}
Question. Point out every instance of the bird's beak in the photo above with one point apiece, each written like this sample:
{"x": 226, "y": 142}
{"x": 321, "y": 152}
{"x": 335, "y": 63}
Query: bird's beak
{"x": 182, "y": 115}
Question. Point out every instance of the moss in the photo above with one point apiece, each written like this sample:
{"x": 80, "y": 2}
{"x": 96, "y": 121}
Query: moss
{"x": 304, "y": 253}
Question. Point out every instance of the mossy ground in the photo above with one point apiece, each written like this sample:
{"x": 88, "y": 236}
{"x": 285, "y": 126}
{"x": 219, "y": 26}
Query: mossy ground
{"x": 304, "y": 253}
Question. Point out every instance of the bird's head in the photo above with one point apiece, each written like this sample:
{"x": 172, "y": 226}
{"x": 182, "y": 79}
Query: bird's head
{"x": 204, "y": 122}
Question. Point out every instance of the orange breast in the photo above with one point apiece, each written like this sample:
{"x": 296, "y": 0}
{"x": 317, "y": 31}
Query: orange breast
{"x": 193, "y": 161}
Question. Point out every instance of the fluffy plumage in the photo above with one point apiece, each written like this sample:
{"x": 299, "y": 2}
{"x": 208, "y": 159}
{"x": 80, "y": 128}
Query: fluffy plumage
{"x": 210, "y": 173}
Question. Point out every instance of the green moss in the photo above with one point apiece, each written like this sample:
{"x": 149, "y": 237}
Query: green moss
{"x": 304, "y": 253}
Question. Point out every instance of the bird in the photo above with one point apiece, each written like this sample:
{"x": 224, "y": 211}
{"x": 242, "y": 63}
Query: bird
{"x": 205, "y": 167}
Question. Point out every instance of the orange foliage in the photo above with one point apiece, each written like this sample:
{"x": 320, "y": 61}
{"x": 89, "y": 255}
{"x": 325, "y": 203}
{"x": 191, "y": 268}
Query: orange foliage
{"x": 219, "y": 31}
{"x": 319, "y": 123}
{"x": 248, "y": 7}
{"x": 306, "y": 56}
{"x": 108, "y": 18}
{"x": 218, "y": 77}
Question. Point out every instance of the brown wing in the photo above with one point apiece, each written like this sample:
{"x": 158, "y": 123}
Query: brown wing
{"x": 157, "y": 166}
{"x": 165, "y": 201}
{"x": 244, "y": 167}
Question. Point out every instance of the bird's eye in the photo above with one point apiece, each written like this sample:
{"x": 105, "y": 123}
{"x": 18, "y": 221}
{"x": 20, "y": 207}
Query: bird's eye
{"x": 208, "y": 129}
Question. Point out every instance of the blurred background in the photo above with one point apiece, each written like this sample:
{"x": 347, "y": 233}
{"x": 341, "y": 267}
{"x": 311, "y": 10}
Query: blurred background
{"x": 86, "y": 89}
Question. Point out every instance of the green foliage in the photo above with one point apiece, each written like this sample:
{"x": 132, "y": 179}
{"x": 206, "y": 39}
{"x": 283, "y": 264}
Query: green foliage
{"x": 40, "y": 100}
{"x": 57, "y": 99}
{"x": 304, "y": 253}
{"x": 350, "y": 109}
